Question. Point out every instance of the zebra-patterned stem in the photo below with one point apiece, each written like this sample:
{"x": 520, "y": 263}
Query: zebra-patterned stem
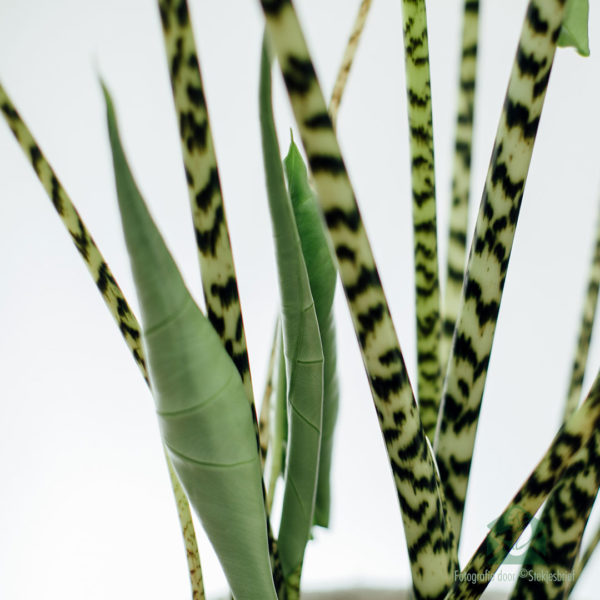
{"x": 208, "y": 213}
{"x": 581, "y": 564}
{"x": 585, "y": 329}
{"x": 429, "y": 538}
{"x": 573, "y": 436}
{"x": 555, "y": 544}
{"x": 427, "y": 285}
{"x": 490, "y": 249}
{"x": 265, "y": 407}
{"x": 348, "y": 59}
{"x": 113, "y": 298}
{"x": 105, "y": 282}
{"x": 212, "y": 236}
{"x": 461, "y": 176}
{"x": 189, "y": 534}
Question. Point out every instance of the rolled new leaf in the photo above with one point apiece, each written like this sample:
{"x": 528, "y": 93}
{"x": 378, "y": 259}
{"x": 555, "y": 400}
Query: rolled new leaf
{"x": 302, "y": 348}
{"x": 322, "y": 276}
{"x": 201, "y": 403}
{"x": 431, "y": 549}
{"x": 427, "y": 285}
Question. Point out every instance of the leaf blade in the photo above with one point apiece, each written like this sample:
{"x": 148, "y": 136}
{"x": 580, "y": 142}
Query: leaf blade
{"x": 322, "y": 277}
{"x": 202, "y": 406}
{"x": 302, "y": 348}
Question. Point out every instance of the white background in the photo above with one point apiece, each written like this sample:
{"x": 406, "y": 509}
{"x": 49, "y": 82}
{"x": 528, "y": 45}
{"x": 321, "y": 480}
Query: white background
{"x": 85, "y": 505}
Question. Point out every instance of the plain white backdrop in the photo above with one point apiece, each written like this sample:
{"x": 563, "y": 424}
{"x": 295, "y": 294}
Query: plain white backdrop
{"x": 85, "y": 505}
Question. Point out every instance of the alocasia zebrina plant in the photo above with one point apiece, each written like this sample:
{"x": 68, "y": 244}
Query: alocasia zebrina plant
{"x": 199, "y": 369}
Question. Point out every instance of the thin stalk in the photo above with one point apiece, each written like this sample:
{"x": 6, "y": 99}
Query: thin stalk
{"x": 304, "y": 362}
{"x": 585, "y": 559}
{"x": 588, "y": 315}
{"x": 189, "y": 534}
{"x": 572, "y": 437}
{"x": 113, "y": 298}
{"x": 278, "y": 415}
{"x": 431, "y": 548}
{"x": 347, "y": 60}
{"x": 490, "y": 250}
{"x": 264, "y": 418}
{"x": 427, "y": 285}
{"x": 557, "y": 537}
{"x": 461, "y": 176}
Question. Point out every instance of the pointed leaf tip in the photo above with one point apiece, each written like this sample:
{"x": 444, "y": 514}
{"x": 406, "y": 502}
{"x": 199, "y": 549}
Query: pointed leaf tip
{"x": 574, "y": 30}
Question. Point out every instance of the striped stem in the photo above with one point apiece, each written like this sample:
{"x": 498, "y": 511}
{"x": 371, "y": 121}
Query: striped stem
{"x": 348, "y": 59}
{"x": 588, "y": 314}
{"x": 334, "y": 106}
{"x": 573, "y": 436}
{"x": 208, "y": 213}
{"x": 581, "y": 564}
{"x": 189, "y": 535}
{"x": 212, "y": 236}
{"x": 427, "y": 285}
{"x": 490, "y": 250}
{"x": 113, "y": 298}
{"x": 461, "y": 176}
{"x": 557, "y": 538}
{"x": 429, "y": 539}
{"x": 265, "y": 407}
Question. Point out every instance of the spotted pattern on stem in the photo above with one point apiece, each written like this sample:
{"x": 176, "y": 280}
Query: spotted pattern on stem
{"x": 214, "y": 249}
{"x": 344, "y": 71}
{"x": 491, "y": 247}
{"x": 573, "y": 436}
{"x": 264, "y": 419}
{"x": 427, "y": 285}
{"x": 557, "y": 538}
{"x": 105, "y": 282}
{"x": 585, "y": 329}
{"x": 461, "y": 177}
{"x": 585, "y": 558}
{"x": 113, "y": 298}
{"x": 429, "y": 538}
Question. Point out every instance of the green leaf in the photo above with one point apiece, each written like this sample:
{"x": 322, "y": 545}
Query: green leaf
{"x": 574, "y": 30}
{"x": 302, "y": 348}
{"x": 322, "y": 277}
{"x": 203, "y": 412}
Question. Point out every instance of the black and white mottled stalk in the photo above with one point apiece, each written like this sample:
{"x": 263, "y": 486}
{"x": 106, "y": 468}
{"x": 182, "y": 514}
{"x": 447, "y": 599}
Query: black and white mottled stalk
{"x": 490, "y": 250}
{"x": 461, "y": 176}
